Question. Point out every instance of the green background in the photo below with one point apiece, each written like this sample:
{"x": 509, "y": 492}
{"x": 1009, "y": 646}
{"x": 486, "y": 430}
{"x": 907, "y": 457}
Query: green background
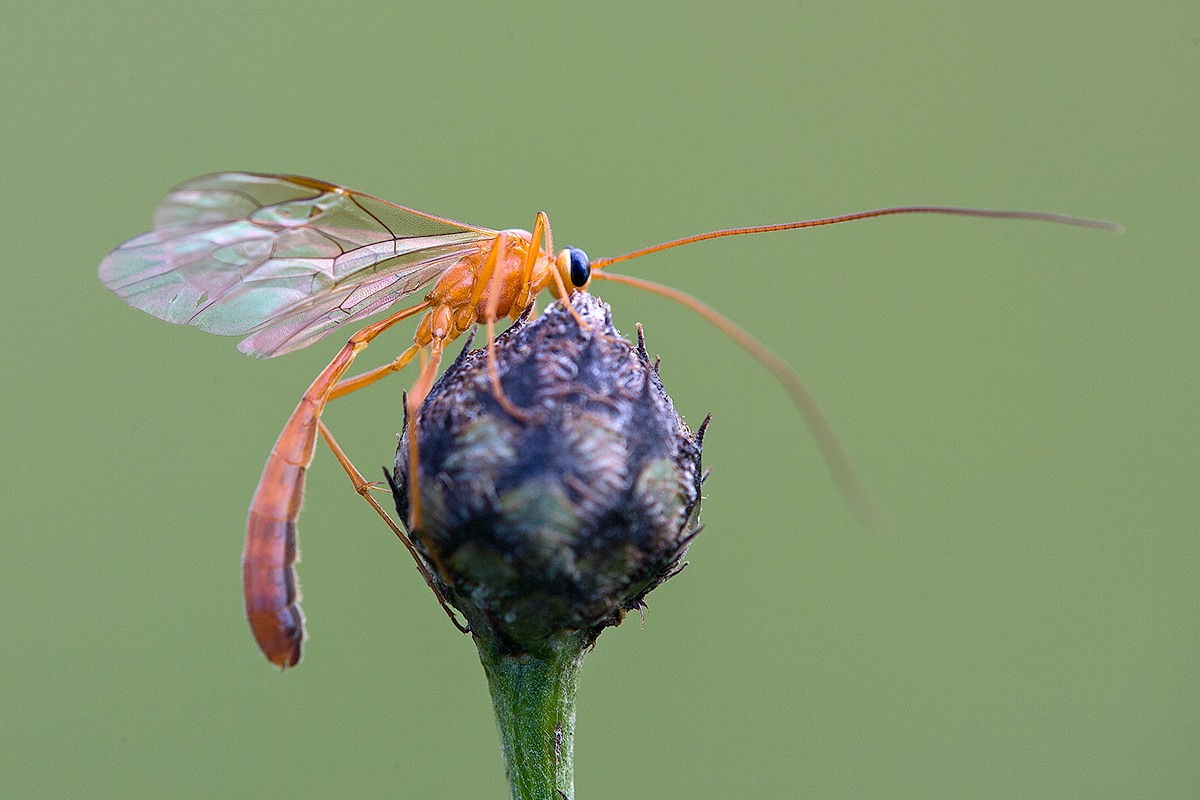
{"x": 1020, "y": 397}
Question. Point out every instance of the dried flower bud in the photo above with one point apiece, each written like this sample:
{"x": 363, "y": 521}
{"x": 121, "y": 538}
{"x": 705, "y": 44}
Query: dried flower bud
{"x": 562, "y": 519}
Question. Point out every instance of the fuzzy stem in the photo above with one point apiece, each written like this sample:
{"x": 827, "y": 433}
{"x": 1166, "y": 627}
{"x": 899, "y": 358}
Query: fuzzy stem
{"x": 534, "y": 697}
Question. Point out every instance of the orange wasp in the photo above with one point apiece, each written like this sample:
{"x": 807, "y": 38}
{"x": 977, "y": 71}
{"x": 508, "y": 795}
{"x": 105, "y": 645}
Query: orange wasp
{"x": 284, "y": 260}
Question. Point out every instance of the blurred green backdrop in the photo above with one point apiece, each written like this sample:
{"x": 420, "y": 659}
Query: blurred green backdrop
{"x": 1020, "y": 397}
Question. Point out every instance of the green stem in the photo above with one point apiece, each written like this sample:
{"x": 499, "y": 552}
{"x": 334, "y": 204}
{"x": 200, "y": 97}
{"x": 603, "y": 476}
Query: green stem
{"x": 534, "y": 697}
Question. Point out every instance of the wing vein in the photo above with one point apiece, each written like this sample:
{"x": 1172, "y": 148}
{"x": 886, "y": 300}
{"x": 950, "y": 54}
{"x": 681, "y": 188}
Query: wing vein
{"x": 382, "y": 224}
{"x": 282, "y": 260}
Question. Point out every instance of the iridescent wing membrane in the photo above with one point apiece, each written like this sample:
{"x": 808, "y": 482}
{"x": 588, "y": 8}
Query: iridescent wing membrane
{"x": 282, "y": 258}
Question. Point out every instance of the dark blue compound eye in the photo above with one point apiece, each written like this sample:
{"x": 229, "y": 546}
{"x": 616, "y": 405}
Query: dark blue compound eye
{"x": 581, "y": 267}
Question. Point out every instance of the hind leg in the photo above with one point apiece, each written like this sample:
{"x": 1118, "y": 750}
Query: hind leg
{"x": 363, "y": 488}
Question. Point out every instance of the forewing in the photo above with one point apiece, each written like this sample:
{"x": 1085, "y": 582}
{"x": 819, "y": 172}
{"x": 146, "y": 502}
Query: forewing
{"x": 283, "y": 258}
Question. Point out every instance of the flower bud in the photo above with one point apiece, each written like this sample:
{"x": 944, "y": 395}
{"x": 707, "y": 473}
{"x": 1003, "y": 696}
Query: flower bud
{"x": 562, "y": 518}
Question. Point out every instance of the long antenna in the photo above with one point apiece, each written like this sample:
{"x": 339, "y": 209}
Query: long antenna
{"x": 852, "y": 489}
{"x": 1037, "y": 216}
{"x": 839, "y": 465}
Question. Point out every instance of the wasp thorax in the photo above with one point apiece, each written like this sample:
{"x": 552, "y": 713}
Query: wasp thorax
{"x": 563, "y": 518}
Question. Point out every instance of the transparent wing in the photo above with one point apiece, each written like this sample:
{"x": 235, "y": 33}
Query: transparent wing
{"x": 282, "y": 258}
